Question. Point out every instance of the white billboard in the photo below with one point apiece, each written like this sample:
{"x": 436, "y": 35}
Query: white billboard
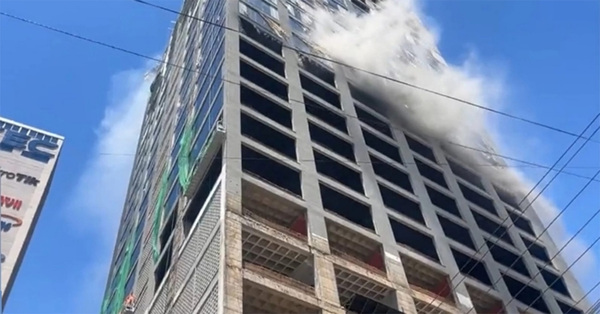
{"x": 28, "y": 157}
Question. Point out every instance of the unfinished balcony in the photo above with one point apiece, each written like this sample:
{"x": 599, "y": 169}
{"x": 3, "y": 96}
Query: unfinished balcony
{"x": 359, "y": 294}
{"x": 278, "y": 261}
{"x": 430, "y": 287}
{"x": 356, "y": 248}
{"x": 259, "y": 299}
{"x": 484, "y": 302}
{"x": 274, "y": 211}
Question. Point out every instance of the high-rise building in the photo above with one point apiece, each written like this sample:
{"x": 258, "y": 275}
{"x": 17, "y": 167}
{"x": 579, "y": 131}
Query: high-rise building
{"x": 267, "y": 182}
{"x": 28, "y": 157}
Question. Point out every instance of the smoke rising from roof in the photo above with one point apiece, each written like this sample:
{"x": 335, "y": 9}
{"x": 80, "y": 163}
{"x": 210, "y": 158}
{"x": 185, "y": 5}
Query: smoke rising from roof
{"x": 393, "y": 41}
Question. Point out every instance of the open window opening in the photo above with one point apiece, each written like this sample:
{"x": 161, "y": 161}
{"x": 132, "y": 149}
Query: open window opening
{"x": 471, "y": 267}
{"x": 537, "y": 250}
{"x": 478, "y": 199}
{"x": 567, "y": 309}
{"x": 262, "y": 58}
{"x": 261, "y": 37}
{"x": 266, "y": 107}
{"x": 457, "y": 232}
{"x": 368, "y": 100}
{"x": 521, "y": 222}
{"x": 465, "y": 174}
{"x": 391, "y": 174}
{"x": 265, "y": 168}
{"x": 420, "y": 148}
{"x": 428, "y": 284}
{"x": 442, "y": 201}
{"x": 332, "y": 142}
{"x": 361, "y": 5}
{"x": 484, "y": 302}
{"x": 492, "y": 227}
{"x": 273, "y": 211}
{"x": 338, "y": 172}
{"x": 313, "y": 67}
{"x": 278, "y": 261}
{"x": 268, "y": 136}
{"x": 320, "y": 91}
{"x": 326, "y": 115}
{"x": 260, "y": 299}
{"x": 372, "y": 121}
{"x": 401, "y": 204}
{"x": 385, "y": 148}
{"x": 263, "y": 80}
{"x": 354, "y": 247}
{"x": 431, "y": 173}
{"x": 415, "y": 240}
{"x": 346, "y": 207}
{"x": 508, "y": 259}
{"x": 359, "y": 294}
{"x": 555, "y": 282}
{"x": 200, "y": 197}
{"x": 165, "y": 257}
{"x": 508, "y": 197}
{"x": 526, "y": 294}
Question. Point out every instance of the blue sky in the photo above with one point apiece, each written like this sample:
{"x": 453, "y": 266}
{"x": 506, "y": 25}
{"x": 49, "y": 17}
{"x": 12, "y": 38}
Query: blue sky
{"x": 548, "y": 51}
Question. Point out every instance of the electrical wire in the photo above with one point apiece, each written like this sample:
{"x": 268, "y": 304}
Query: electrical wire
{"x": 161, "y": 61}
{"x": 524, "y": 210}
{"x": 505, "y": 114}
{"x": 589, "y": 220}
{"x": 564, "y": 272}
{"x": 595, "y": 308}
{"x": 293, "y": 48}
{"x": 586, "y": 295}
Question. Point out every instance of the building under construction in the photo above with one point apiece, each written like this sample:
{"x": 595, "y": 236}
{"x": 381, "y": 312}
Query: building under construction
{"x": 266, "y": 182}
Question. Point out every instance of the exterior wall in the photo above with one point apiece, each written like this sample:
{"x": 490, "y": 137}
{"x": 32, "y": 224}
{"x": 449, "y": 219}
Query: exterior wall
{"x": 25, "y": 182}
{"x": 208, "y": 272}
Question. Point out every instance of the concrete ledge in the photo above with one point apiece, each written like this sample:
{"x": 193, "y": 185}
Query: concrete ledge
{"x": 270, "y": 232}
{"x": 266, "y": 280}
{"x": 427, "y": 297}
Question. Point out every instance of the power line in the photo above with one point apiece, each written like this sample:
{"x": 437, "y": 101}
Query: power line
{"x": 161, "y": 61}
{"x": 586, "y": 295}
{"x": 528, "y": 206}
{"x": 565, "y": 271}
{"x": 589, "y": 220}
{"x": 317, "y": 56}
{"x": 430, "y": 91}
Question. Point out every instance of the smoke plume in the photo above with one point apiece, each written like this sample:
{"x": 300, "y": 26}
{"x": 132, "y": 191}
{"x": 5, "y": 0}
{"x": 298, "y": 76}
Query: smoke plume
{"x": 393, "y": 40}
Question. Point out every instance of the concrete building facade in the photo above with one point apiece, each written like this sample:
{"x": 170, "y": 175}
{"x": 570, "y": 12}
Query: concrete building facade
{"x": 265, "y": 182}
{"x": 28, "y": 157}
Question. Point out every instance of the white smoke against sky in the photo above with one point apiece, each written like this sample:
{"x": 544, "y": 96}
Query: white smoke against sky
{"x": 393, "y": 41}
{"x": 101, "y": 189}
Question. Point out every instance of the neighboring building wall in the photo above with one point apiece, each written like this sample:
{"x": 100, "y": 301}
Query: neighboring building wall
{"x": 25, "y": 179}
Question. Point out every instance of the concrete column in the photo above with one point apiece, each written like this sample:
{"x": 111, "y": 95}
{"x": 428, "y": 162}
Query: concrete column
{"x": 520, "y": 245}
{"x": 232, "y": 279}
{"x": 478, "y": 239}
{"x": 394, "y": 267}
{"x": 230, "y": 272}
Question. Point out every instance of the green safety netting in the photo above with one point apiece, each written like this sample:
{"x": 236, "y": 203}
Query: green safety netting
{"x": 183, "y": 161}
{"x": 123, "y": 274}
{"x": 157, "y": 219}
{"x": 105, "y": 304}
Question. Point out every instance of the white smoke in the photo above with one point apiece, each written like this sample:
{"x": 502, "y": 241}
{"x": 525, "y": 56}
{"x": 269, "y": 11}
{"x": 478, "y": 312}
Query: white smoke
{"x": 99, "y": 196}
{"x": 393, "y": 41}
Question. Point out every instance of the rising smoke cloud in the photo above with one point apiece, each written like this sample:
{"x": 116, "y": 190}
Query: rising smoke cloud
{"x": 99, "y": 196}
{"x": 393, "y": 41}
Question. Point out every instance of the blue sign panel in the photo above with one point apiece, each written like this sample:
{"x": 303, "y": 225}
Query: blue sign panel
{"x": 29, "y": 147}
